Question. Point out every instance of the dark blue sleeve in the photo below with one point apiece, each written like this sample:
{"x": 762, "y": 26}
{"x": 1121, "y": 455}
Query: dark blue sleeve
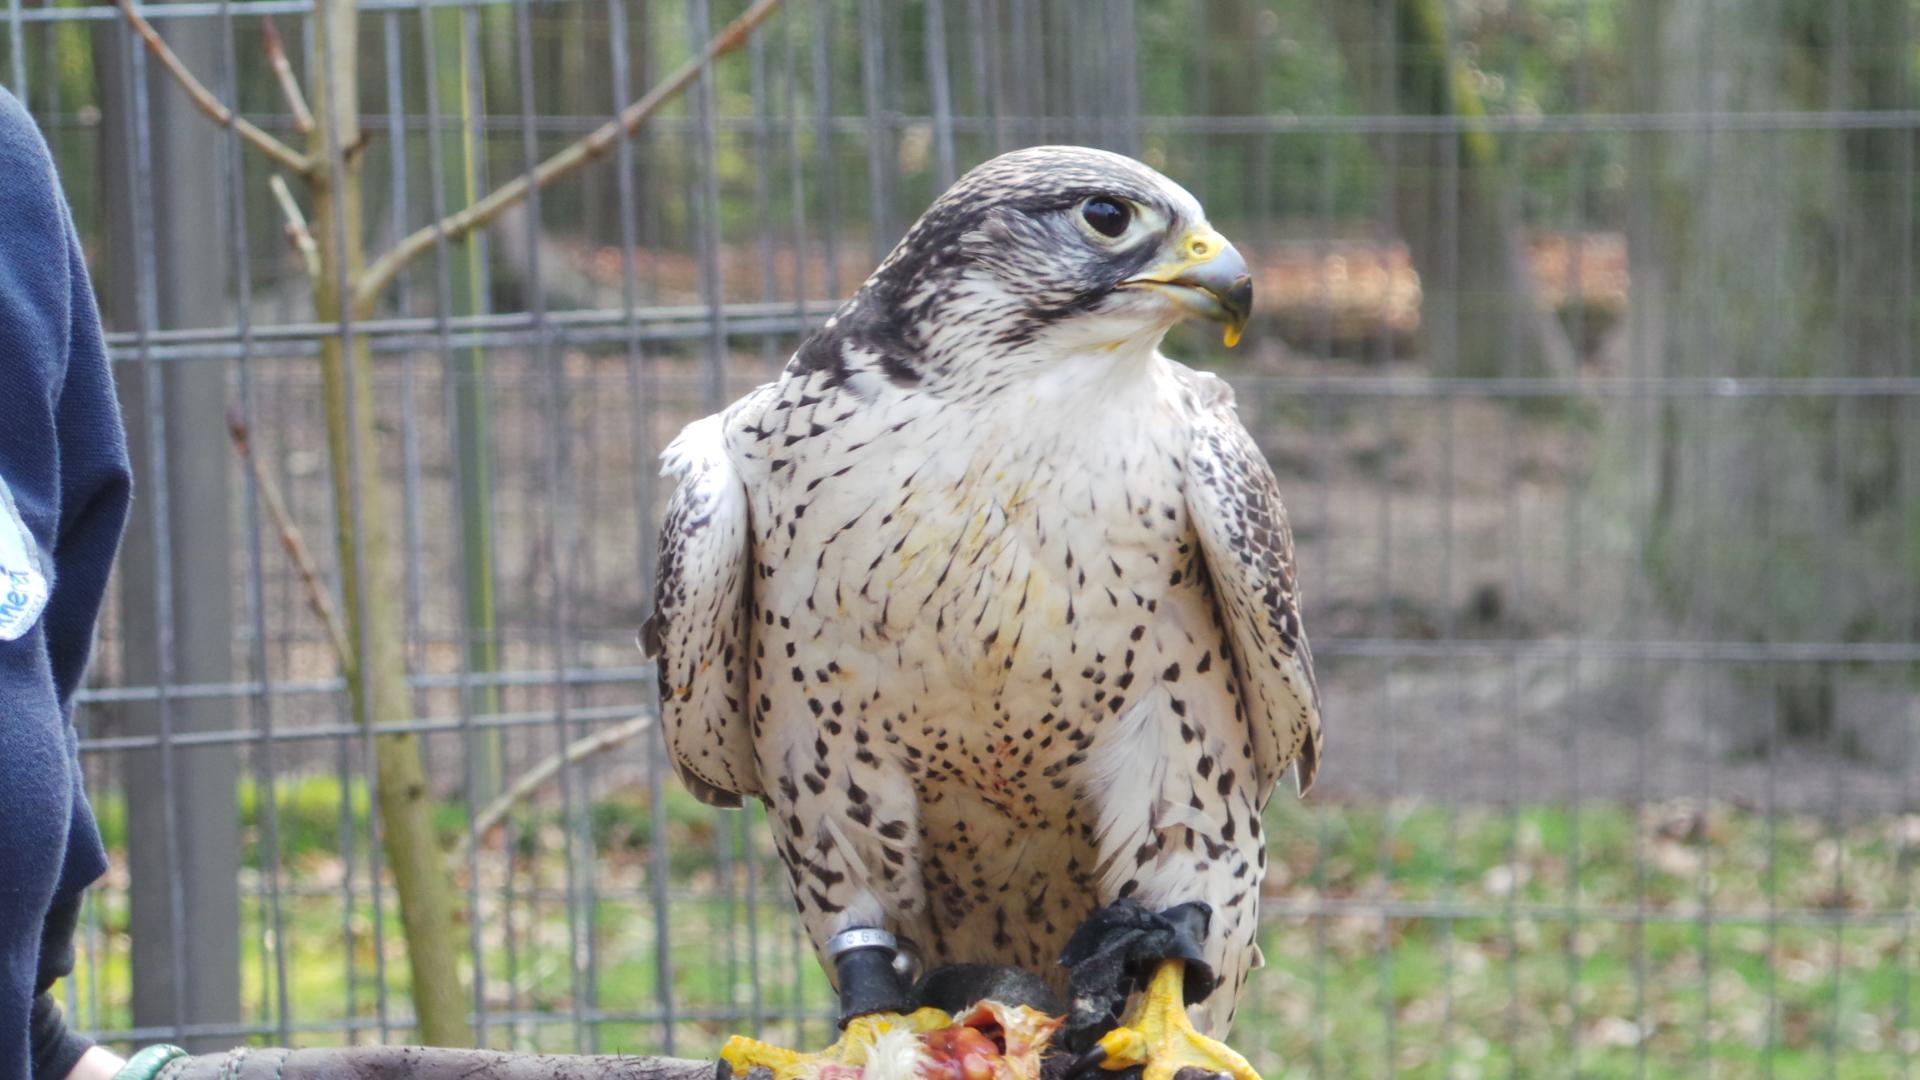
{"x": 63, "y": 459}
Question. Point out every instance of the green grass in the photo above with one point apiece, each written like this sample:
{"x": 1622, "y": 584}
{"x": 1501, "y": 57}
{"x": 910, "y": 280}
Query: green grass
{"x": 1541, "y": 942}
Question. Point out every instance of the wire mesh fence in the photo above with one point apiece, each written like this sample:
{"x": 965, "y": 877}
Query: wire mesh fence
{"x": 1583, "y": 352}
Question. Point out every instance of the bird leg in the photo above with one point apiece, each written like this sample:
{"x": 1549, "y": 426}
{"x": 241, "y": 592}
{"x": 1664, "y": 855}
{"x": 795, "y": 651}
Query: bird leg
{"x": 1117, "y": 950}
{"x": 867, "y": 966}
{"x": 873, "y": 1002}
{"x": 1161, "y": 1037}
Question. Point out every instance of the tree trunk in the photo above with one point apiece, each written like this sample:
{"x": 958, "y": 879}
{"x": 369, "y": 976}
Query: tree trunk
{"x": 369, "y": 565}
{"x": 1777, "y": 253}
{"x": 1481, "y": 311}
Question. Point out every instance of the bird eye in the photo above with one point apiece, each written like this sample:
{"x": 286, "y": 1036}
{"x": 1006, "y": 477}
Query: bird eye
{"x": 1109, "y": 217}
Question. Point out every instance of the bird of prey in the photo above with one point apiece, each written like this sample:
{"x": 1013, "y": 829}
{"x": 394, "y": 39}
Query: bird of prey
{"x": 994, "y": 605}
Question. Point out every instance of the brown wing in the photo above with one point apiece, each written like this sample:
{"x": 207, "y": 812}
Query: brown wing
{"x": 698, "y": 632}
{"x": 1235, "y": 505}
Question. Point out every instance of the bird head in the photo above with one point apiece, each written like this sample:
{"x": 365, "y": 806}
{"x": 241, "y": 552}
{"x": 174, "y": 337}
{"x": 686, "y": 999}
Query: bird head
{"x": 1044, "y": 252}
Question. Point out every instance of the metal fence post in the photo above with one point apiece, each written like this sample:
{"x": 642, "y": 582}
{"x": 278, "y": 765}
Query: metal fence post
{"x": 180, "y": 270}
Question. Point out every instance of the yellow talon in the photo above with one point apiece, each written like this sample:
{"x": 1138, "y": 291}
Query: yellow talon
{"x": 1162, "y": 1038}
{"x": 742, "y": 1053}
{"x": 1125, "y": 1047}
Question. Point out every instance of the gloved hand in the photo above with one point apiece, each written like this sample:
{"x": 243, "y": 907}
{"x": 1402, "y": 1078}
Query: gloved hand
{"x": 1111, "y": 955}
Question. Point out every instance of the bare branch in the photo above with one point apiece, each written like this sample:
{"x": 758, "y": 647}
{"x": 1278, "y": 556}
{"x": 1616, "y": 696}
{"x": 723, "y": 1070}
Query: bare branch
{"x": 594, "y": 145}
{"x": 358, "y": 146}
{"x": 283, "y": 71}
{"x": 600, "y": 741}
{"x": 290, "y": 537}
{"x": 297, "y": 232}
{"x": 286, "y": 155}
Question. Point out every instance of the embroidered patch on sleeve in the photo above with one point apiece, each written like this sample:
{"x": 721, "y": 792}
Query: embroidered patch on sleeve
{"x": 23, "y": 579}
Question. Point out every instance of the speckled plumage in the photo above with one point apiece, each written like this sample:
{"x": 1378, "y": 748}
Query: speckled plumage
{"x": 993, "y": 604}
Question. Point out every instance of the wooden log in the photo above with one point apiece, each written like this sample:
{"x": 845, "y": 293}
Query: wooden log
{"x": 435, "y": 1063}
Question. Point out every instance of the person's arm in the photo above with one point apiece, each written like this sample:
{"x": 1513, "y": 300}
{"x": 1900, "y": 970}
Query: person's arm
{"x": 56, "y": 1051}
{"x": 98, "y": 1063}
{"x": 95, "y": 489}
{"x": 64, "y": 466}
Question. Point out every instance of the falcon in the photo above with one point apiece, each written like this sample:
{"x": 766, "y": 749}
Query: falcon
{"x": 994, "y": 607}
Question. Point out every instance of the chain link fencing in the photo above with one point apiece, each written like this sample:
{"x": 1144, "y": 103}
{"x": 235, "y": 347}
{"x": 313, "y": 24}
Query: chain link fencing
{"x": 1584, "y": 353}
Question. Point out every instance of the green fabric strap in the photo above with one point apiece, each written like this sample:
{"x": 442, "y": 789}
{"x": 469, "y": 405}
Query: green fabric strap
{"x": 149, "y": 1063}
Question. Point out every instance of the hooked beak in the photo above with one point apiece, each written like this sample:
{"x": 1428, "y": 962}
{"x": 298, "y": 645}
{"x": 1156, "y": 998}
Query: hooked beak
{"x": 1208, "y": 279}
